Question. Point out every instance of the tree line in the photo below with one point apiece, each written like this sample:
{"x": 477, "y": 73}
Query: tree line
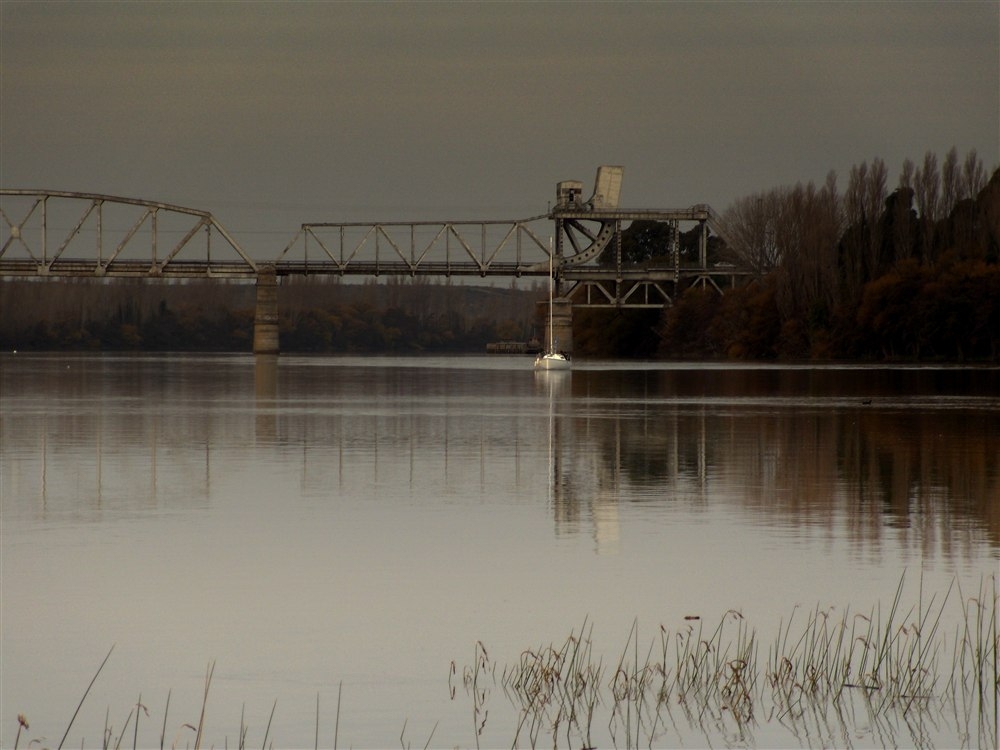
{"x": 315, "y": 315}
{"x": 864, "y": 274}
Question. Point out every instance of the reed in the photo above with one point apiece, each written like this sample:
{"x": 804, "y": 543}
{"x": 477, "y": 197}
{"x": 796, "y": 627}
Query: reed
{"x": 890, "y": 663}
{"x": 557, "y": 687}
{"x": 824, "y": 673}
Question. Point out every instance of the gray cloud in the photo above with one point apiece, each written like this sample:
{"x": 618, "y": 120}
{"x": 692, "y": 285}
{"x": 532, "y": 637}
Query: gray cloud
{"x": 271, "y": 114}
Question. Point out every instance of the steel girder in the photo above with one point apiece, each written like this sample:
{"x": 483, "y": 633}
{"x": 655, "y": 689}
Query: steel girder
{"x": 46, "y": 221}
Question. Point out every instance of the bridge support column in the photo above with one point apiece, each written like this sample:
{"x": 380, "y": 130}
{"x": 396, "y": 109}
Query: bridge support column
{"x": 265, "y": 320}
{"x": 562, "y": 325}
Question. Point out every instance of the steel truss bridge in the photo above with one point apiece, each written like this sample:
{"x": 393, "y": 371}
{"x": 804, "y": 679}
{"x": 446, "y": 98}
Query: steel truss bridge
{"x": 52, "y": 234}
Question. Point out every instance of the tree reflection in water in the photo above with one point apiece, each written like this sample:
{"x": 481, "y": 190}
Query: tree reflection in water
{"x": 814, "y": 447}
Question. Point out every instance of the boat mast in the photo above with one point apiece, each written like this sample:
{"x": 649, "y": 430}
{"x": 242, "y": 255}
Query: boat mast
{"x": 552, "y": 341}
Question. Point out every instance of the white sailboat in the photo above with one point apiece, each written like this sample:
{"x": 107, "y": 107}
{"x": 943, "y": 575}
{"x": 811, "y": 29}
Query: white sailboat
{"x": 553, "y": 359}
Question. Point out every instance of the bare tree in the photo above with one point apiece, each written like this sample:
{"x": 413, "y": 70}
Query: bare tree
{"x": 750, "y": 224}
{"x": 854, "y": 198}
{"x": 902, "y": 224}
{"x": 864, "y": 202}
{"x": 831, "y": 219}
{"x": 906, "y": 176}
{"x": 876, "y": 191}
{"x": 973, "y": 175}
{"x": 811, "y": 225}
{"x": 927, "y": 189}
{"x": 951, "y": 182}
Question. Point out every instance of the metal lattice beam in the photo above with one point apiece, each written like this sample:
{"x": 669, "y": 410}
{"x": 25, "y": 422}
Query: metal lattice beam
{"x": 422, "y": 248}
{"x": 46, "y": 221}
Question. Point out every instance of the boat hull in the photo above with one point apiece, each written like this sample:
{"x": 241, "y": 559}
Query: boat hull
{"x": 552, "y": 362}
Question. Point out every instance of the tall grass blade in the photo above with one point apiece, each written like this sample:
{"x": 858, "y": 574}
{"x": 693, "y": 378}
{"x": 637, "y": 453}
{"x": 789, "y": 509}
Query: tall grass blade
{"x": 336, "y": 726}
{"x": 433, "y": 730}
{"x": 118, "y": 744}
{"x": 268, "y": 730}
{"x": 201, "y": 720}
{"x": 135, "y": 737}
{"x": 163, "y": 732}
{"x": 85, "y": 693}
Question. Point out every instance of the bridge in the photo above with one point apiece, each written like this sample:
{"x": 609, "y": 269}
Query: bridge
{"x": 52, "y": 234}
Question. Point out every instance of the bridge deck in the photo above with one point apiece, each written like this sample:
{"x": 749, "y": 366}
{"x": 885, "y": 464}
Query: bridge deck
{"x": 178, "y": 269}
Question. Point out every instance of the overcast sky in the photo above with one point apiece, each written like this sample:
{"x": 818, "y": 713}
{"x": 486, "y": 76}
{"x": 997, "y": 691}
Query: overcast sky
{"x": 270, "y": 114}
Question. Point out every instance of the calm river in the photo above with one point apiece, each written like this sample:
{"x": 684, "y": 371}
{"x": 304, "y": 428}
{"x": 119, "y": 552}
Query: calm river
{"x": 380, "y": 543}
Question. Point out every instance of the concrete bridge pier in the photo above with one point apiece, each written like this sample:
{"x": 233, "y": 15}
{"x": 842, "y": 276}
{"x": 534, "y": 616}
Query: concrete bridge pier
{"x": 265, "y": 320}
{"x": 562, "y": 324}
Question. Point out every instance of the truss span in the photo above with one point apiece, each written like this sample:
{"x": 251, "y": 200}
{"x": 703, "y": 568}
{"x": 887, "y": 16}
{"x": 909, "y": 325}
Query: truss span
{"x": 59, "y": 233}
{"x": 69, "y": 234}
{"x": 428, "y": 248}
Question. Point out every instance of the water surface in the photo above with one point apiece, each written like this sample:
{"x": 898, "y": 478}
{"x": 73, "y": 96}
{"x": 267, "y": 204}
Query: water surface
{"x": 351, "y": 526}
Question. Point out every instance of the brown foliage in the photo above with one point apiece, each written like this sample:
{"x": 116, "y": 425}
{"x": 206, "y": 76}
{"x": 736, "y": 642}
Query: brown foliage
{"x": 948, "y": 312}
{"x": 912, "y": 274}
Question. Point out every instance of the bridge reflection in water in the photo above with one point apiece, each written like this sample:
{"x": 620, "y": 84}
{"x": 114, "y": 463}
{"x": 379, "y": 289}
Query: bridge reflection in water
{"x": 800, "y": 447}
